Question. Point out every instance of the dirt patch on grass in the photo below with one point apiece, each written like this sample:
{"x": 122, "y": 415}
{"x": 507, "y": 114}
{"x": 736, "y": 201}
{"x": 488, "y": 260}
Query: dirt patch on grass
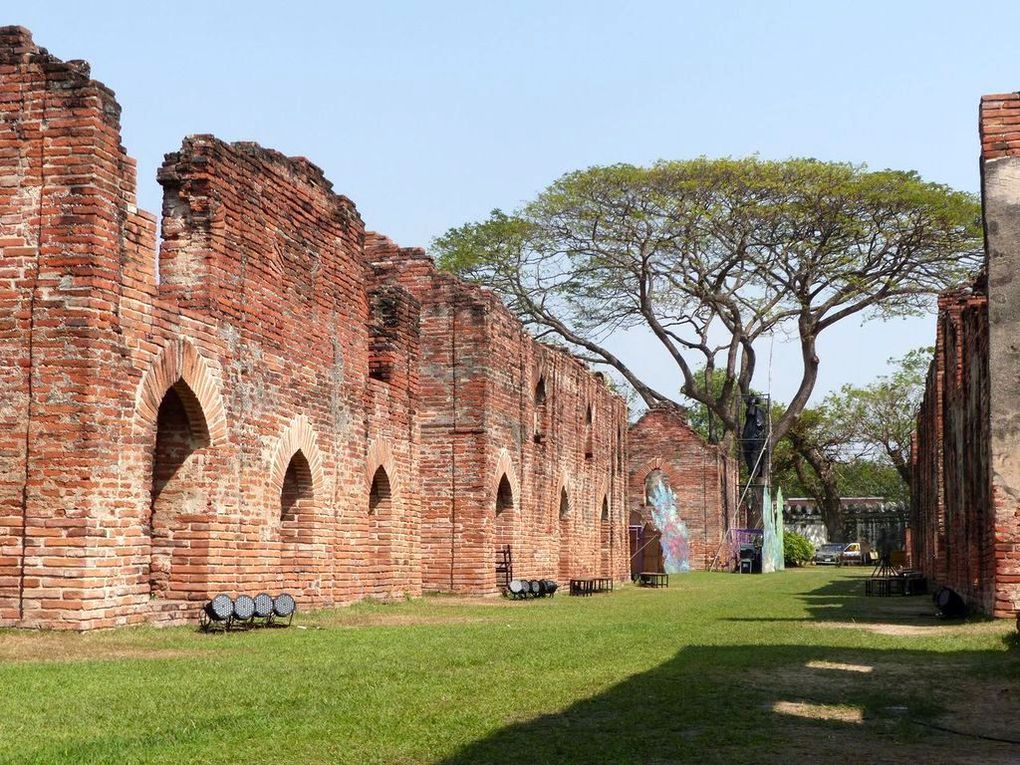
{"x": 357, "y": 621}
{"x": 972, "y": 706}
{"x": 431, "y": 610}
{"x": 902, "y": 629}
{"x": 17, "y": 647}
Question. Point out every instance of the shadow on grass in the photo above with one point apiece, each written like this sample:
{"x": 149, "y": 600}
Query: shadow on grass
{"x": 844, "y": 600}
{"x": 791, "y": 703}
{"x": 781, "y": 703}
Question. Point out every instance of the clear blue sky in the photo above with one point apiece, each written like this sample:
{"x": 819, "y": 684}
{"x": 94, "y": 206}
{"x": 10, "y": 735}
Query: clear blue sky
{"x": 430, "y": 114}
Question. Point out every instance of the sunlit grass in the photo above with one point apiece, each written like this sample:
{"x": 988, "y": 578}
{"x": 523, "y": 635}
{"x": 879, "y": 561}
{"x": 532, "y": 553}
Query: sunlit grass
{"x": 689, "y": 673}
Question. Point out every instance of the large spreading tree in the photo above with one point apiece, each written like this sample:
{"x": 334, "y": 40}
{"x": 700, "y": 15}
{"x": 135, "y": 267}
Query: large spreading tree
{"x": 712, "y": 256}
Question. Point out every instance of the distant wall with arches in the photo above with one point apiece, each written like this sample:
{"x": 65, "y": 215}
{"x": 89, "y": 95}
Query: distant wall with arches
{"x": 497, "y": 403}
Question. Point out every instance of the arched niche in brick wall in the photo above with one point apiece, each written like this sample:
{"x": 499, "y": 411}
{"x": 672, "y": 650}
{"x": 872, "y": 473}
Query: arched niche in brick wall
{"x": 180, "y": 362}
{"x": 296, "y": 439}
{"x": 295, "y": 497}
{"x": 589, "y": 444}
{"x": 179, "y": 419}
{"x": 386, "y": 521}
{"x": 606, "y": 536}
{"x": 564, "y": 510}
{"x": 541, "y": 396}
{"x": 505, "y": 501}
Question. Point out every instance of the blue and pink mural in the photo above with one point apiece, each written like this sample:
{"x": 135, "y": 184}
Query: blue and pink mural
{"x": 674, "y": 537}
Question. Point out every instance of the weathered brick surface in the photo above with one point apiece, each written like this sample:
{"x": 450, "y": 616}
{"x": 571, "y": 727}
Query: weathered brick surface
{"x": 496, "y": 403}
{"x": 965, "y": 516}
{"x": 951, "y": 520}
{"x": 999, "y": 125}
{"x": 700, "y": 474}
{"x": 284, "y": 406}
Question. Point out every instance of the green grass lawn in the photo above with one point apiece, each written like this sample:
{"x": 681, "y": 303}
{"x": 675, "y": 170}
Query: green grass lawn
{"x": 789, "y": 667}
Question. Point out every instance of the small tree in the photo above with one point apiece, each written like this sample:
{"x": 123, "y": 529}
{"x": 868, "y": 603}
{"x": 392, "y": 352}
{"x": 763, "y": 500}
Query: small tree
{"x": 881, "y": 416}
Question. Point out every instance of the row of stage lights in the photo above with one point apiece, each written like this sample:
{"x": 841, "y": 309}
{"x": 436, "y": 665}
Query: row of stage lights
{"x": 244, "y": 611}
{"x": 531, "y": 588}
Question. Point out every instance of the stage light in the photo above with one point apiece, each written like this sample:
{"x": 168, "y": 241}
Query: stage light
{"x": 284, "y": 606}
{"x": 263, "y": 605}
{"x": 244, "y": 608}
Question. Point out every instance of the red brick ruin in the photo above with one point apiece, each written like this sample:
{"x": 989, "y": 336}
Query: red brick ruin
{"x": 274, "y": 399}
{"x": 702, "y": 476}
{"x": 965, "y": 524}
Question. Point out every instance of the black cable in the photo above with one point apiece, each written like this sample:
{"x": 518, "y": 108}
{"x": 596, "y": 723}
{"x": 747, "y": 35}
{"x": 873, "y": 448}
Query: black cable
{"x": 965, "y": 733}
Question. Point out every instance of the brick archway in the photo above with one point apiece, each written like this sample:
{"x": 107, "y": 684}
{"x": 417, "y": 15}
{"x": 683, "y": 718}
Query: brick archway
{"x": 505, "y": 467}
{"x": 381, "y": 508}
{"x": 380, "y": 455}
{"x": 604, "y": 521}
{"x": 179, "y": 417}
{"x": 298, "y": 436}
{"x": 563, "y": 507}
{"x": 181, "y": 362}
{"x": 504, "y": 509}
{"x": 295, "y": 497}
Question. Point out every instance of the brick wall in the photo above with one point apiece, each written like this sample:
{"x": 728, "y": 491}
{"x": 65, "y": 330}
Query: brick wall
{"x": 286, "y": 404}
{"x": 999, "y": 126}
{"x": 701, "y": 476}
{"x": 499, "y": 405}
{"x": 950, "y": 522}
{"x": 965, "y": 517}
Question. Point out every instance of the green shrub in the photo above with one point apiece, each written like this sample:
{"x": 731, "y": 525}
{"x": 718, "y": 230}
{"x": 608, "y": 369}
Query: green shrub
{"x": 797, "y": 549}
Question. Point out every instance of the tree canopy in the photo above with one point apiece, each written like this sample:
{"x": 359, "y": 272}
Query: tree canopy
{"x": 712, "y": 255}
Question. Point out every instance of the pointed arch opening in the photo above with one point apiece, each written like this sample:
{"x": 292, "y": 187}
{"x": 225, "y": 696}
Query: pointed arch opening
{"x": 540, "y": 411}
{"x": 297, "y": 522}
{"x": 503, "y": 527}
{"x": 565, "y": 536}
{"x": 380, "y": 496}
{"x": 181, "y": 485}
{"x": 384, "y": 530}
{"x": 589, "y": 442}
{"x": 297, "y": 486}
{"x": 606, "y": 538}
{"x": 504, "y": 496}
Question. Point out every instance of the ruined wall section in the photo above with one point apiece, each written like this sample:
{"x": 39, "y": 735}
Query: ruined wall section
{"x": 207, "y": 429}
{"x": 951, "y": 533}
{"x": 700, "y": 474}
{"x": 450, "y": 416}
{"x": 575, "y": 455}
{"x": 68, "y": 229}
{"x": 928, "y": 511}
{"x": 969, "y": 550}
{"x": 394, "y": 533}
{"x": 966, "y": 512}
{"x": 480, "y": 421}
{"x": 1000, "y": 190}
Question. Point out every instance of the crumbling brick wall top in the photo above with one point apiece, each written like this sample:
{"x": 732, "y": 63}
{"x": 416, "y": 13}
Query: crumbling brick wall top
{"x": 999, "y": 125}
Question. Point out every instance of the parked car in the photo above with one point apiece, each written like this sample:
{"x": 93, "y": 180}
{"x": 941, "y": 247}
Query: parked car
{"x": 830, "y": 553}
{"x": 839, "y": 553}
{"x": 855, "y": 553}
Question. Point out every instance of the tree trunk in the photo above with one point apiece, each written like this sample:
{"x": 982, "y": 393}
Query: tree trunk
{"x": 832, "y": 515}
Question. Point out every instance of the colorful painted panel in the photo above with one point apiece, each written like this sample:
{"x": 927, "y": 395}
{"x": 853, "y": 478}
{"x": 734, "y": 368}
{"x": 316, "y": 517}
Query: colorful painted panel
{"x": 674, "y": 537}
